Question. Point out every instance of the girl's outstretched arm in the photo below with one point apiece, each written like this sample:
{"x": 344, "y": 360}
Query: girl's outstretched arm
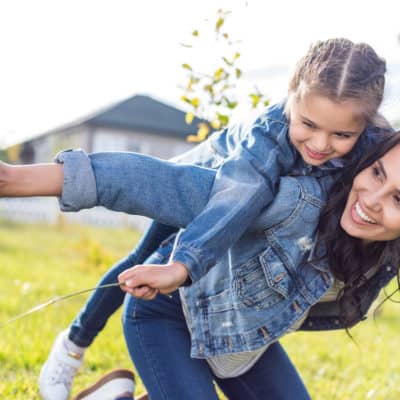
{"x": 31, "y": 180}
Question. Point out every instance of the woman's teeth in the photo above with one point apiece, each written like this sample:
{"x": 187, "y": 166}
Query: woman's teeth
{"x": 362, "y": 214}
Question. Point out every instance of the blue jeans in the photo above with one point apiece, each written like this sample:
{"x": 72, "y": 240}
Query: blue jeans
{"x": 92, "y": 318}
{"x": 159, "y": 344}
{"x": 158, "y": 341}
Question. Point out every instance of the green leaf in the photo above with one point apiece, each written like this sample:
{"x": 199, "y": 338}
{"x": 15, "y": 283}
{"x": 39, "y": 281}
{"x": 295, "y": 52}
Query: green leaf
{"x": 195, "y": 102}
{"x": 224, "y": 119}
{"x": 227, "y": 61}
{"x": 255, "y": 99}
{"x": 187, "y": 66}
{"x": 238, "y": 73}
{"x": 189, "y": 117}
{"x": 186, "y": 99}
{"x": 219, "y": 73}
{"x": 219, "y": 23}
{"x": 195, "y": 32}
{"x": 202, "y": 132}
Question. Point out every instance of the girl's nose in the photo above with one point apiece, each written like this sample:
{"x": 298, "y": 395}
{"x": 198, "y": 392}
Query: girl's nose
{"x": 320, "y": 142}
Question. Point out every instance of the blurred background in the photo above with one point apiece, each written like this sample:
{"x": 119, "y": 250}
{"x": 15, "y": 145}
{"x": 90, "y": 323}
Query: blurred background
{"x": 111, "y": 75}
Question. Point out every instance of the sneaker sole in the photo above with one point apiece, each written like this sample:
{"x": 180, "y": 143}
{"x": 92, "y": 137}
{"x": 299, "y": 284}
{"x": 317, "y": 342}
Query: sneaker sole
{"x": 105, "y": 386}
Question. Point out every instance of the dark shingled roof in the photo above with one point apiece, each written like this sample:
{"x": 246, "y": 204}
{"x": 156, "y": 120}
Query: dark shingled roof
{"x": 145, "y": 114}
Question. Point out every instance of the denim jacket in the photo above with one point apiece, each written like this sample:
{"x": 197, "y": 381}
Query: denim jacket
{"x": 249, "y": 160}
{"x": 266, "y": 281}
{"x": 257, "y": 290}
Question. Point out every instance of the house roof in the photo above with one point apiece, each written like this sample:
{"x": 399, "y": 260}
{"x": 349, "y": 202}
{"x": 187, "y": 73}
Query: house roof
{"x": 137, "y": 113}
{"x": 146, "y": 114}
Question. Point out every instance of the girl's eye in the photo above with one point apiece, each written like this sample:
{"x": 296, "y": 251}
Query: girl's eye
{"x": 308, "y": 124}
{"x": 397, "y": 199}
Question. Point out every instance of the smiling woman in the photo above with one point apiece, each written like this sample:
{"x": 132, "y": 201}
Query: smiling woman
{"x": 367, "y": 204}
{"x": 373, "y": 208}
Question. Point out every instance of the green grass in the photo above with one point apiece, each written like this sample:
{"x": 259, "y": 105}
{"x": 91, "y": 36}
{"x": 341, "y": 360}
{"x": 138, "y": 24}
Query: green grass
{"x": 40, "y": 262}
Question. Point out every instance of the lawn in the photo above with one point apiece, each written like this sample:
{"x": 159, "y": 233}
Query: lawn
{"x": 39, "y": 262}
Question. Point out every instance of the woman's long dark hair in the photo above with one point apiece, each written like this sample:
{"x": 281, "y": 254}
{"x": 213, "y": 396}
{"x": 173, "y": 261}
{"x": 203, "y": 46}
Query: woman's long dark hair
{"x": 348, "y": 257}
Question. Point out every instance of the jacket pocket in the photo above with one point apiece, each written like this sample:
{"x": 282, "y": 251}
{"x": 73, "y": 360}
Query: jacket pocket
{"x": 263, "y": 281}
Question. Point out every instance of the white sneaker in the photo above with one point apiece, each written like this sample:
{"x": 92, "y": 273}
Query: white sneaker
{"x": 59, "y": 370}
{"x": 111, "y": 386}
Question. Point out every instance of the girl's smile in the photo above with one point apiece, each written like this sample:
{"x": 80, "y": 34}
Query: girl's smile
{"x": 322, "y": 129}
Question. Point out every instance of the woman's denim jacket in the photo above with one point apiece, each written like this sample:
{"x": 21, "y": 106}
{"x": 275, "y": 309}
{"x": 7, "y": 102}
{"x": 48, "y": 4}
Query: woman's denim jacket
{"x": 263, "y": 284}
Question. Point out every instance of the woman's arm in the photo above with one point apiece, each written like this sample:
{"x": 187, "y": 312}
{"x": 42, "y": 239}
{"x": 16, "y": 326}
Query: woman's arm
{"x": 31, "y": 180}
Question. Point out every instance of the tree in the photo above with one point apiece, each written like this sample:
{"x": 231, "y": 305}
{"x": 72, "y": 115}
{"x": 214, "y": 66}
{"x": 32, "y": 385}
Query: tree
{"x": 212, "y": 96}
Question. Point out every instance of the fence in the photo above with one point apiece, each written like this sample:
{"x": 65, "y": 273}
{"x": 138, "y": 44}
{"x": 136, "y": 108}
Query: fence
{"x": 45, "y": 210}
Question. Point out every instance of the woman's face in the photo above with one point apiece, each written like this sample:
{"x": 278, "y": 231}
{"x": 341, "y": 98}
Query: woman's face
{"x": 372, "y": 210}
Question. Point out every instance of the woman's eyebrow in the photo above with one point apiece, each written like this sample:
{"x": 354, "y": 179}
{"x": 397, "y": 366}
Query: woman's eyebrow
{"x": 382, "y": 168}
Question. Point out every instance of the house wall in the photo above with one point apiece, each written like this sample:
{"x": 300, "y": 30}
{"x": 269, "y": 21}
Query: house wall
{"x": 102, "y": 139}
{"x": 46, "y": 147}
{"x": 156, "y": 145}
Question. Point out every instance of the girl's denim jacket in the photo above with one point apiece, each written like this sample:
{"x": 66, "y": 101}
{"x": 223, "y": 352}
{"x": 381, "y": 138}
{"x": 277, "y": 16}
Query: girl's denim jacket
{"x": 266, "y": 281}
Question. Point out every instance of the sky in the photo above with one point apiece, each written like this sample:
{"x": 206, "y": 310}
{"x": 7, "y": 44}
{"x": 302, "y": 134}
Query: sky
{"x": 64, "y": 59}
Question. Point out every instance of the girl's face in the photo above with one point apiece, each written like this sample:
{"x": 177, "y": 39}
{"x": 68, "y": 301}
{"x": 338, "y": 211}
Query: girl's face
{"x": 372, "y": 210}
{"x": 322, "y": 129}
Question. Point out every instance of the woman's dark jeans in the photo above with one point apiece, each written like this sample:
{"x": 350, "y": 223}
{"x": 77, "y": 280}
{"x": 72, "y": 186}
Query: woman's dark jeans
{"x": 159, "y": 344}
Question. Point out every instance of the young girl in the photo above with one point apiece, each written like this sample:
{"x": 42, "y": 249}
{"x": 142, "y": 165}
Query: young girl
{"x": 333, "y": 97}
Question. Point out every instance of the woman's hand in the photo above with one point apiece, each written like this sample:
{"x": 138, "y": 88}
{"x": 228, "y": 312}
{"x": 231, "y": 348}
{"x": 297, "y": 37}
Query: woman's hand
{"x": 145, "y": 281}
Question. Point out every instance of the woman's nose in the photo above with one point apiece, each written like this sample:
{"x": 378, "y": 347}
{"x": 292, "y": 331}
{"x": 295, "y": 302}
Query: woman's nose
{"x": 372, "y": 200}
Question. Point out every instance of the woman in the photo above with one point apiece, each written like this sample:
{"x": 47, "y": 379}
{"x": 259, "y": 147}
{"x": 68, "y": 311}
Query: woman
{"x": 362, "y": 251}
{"x": 360, "y": 288}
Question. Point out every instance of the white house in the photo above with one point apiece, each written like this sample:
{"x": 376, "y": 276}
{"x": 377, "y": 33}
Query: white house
{"x": 140, "y": 123}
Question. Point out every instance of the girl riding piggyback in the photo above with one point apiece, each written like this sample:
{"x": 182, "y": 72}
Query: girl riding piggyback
{"x": 328, "y": 119}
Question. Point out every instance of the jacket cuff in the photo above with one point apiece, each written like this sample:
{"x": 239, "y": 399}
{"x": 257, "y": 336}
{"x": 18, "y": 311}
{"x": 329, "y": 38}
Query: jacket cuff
{"x": 191, "y": 260}
{"x": 79, "y": 187}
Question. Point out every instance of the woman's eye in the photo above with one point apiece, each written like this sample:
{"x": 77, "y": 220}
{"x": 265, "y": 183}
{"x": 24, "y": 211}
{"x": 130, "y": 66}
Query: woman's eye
{"x": 397, "y": 199}
{"x": 375, "y": 171}
{"x": 343, "y": 135}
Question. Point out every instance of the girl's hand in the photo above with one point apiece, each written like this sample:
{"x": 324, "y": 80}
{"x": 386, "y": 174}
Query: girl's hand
{"x": 145, "y": 281}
